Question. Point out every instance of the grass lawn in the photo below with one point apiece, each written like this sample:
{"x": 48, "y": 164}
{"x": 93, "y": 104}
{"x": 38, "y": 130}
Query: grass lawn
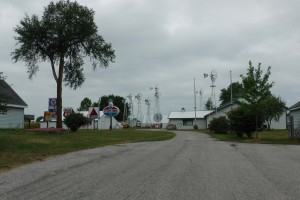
{"x": 19, "y": 147}
{"x": 265, "y": 137}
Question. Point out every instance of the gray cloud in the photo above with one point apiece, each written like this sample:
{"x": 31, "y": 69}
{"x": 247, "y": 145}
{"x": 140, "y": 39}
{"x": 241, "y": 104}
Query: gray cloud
{"x": 168, "y": 43}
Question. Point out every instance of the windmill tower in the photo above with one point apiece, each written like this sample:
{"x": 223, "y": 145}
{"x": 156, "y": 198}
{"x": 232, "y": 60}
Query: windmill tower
{"x": 156, "y": 100}
{"x": 125, "y": 113}
{"x": 131, "y": 114}
{"x": 157, "y": 117}
{"x": 139, "y": 117}
{"x": 213, "y": 77}
{"x": 201, "y": 100}
{"x": 148, "y": 117}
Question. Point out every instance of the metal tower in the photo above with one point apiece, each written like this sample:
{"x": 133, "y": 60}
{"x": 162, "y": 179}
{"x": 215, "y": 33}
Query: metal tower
{"x": 131, "y": 114}
{"x": 201, "y": 100}
{"x": 139, "y": 117}
{"x": 213, "y": 77}
{"x": 156, "y": 100}
{"x": 148, "y": 118}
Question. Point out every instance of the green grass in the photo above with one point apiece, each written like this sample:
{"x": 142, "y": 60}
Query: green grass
{"x": 265, "y": 137}
{"x": 19, "y": 147}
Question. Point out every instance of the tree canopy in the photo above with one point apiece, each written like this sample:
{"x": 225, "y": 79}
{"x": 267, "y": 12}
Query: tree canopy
{"x": 209, "y": 104}
{"x": 255, "y": 89}
{"x": 65, "y": 34}
{"x": 225, "y": 96}
{"x": 273, "y": 108}
{"x": 85, "y": 104}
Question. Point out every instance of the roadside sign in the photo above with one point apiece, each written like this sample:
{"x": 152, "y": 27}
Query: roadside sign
{"x": 67, "y": 112}
{"x": 47, "y": 116}
{"x": 28, "y": 117}
{"x": 94, "y": 112}
{"x": 111, "y": 111}
{"x": 52, "y": 105}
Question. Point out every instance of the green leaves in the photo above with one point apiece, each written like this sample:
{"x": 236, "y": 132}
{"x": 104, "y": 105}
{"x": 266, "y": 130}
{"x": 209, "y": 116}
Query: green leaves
{"x": 66, "y": 33}
{"x": 64, "y": 36}
{"x": 255, "y": 84}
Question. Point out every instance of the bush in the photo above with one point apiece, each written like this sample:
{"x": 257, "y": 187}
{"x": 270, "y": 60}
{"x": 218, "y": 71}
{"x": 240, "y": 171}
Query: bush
{"x": 219, "y": 125}
{"x": 74, "y": 121}
{"x": 242, "y": 121}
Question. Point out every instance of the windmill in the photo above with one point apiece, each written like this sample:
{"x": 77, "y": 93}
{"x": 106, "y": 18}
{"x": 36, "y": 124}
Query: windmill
{"x": 213, "y": 77}
{"x": 139, "y": 117}
{"x": 130, "y": 106}
{"x": 157, "y": 115}
{"x": 201, "y": 99}
{"x": 148, "y": 118}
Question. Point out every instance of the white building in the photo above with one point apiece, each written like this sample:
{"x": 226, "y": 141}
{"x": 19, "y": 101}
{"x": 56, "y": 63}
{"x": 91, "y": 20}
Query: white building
{"x": 14, "y": 117}
{"x": 223, "y": 110}
{"x": 186, "y": 119}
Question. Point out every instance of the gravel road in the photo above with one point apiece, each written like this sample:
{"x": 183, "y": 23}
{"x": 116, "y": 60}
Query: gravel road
{"x": 190, "y": 166}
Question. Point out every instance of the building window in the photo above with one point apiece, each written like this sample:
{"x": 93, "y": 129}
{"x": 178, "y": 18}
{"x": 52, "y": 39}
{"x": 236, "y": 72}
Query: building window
{"x": 187, "y": 122}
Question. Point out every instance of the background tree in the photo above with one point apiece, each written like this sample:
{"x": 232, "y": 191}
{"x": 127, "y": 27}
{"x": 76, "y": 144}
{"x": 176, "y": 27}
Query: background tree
{"x": 38, "y": 119}
{"x": 85, "y": 104}
{"x": 209, "y": 105}
{"x": 65, "y": 34}
{"x": 255, "y": 90}
{"x": 273, "y": 108}
{"x": 4, "y": 97}
{"x": 225, "y": 96}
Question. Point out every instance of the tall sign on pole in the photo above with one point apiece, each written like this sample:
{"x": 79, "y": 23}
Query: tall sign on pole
{"x": 111, "y": 111}
{"x": 52, "y": 107}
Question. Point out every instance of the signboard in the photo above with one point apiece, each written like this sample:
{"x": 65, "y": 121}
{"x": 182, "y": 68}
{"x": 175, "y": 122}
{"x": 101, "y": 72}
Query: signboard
{"x": 111, "y": 111}
{"x": 94, "y": 112}
{"x": 28, "y": 117}
{"x": 52, "y": 105}
{"x": 67, "y": 112}
{"x": 47, "y": 116}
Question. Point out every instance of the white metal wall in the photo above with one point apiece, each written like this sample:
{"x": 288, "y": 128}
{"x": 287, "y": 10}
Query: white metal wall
{"x": 296, "y": 115}
{"x": 14, "y": 118}
{"x": 179, "y": 124}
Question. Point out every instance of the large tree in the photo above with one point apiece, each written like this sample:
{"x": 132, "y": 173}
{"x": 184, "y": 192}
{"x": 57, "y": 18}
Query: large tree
{"x": 273, "y": 108}
{"x": 256, "y": 88}
{"x": 65, "y": 34}
{"x": 85, "y": 104}
{"x": 225, "y": 96}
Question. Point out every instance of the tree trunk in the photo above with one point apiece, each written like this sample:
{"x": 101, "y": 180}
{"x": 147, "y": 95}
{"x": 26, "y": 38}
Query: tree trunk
{"x": 59, "y": 94}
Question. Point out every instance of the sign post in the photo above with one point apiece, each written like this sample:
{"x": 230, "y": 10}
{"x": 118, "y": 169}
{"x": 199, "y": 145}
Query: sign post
{"x": 111, "y": 111}
{"x": 94, "y": 113}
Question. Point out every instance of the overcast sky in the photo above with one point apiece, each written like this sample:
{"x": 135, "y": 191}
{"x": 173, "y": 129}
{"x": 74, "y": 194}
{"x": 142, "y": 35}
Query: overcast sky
{"x": 168, "y": 43}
